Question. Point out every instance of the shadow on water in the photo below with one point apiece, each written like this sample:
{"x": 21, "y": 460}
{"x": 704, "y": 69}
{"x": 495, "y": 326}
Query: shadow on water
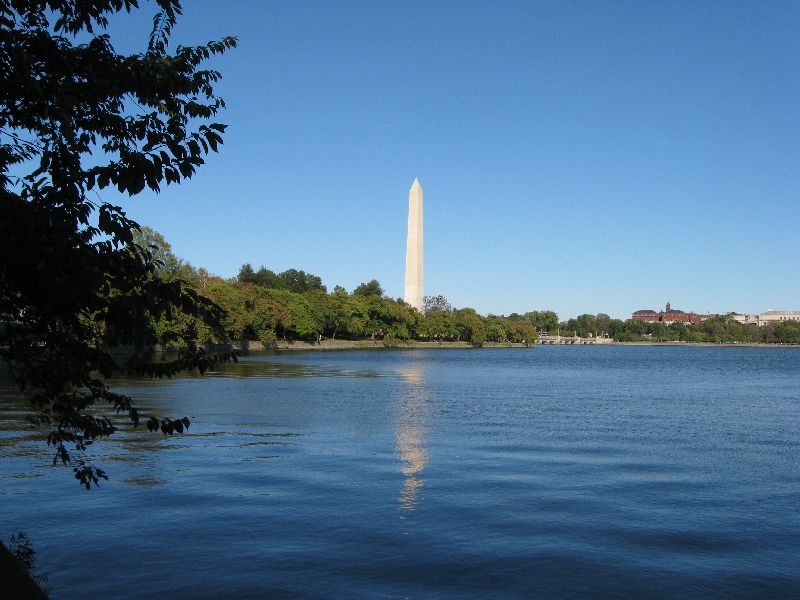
{"x": 18, "y": 436}
{"x": 266, "y": 366}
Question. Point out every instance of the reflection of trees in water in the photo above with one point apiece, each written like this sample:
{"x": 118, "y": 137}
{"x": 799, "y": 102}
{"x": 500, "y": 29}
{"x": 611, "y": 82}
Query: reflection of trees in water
{"x": 19, "y": 439}
{"x": 261, "y": 366}
{"x": 411, "y": 430}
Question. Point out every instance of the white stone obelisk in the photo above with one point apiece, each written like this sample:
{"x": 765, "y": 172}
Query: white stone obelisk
{"x": 414, "y": 254}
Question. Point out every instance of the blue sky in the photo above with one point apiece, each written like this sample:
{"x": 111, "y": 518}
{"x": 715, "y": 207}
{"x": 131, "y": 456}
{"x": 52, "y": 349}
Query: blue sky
{"x": 575, "y": 156}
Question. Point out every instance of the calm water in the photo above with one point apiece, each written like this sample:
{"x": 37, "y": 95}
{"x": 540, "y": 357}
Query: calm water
{"x": 663, "y": 472}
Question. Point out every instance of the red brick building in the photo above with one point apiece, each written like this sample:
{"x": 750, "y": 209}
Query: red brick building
{"x": 667, "y": 316}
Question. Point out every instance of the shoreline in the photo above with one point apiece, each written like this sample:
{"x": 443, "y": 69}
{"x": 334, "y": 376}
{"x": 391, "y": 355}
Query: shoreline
{"x": 379, "y": 345}
{"x": 295, "y": 346}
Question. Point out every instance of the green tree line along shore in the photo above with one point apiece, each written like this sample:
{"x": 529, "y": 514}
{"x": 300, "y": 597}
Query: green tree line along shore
{"x": 296, "y": 306}
{"x": 293, "y": 305}
{"x": 719, "y": 329}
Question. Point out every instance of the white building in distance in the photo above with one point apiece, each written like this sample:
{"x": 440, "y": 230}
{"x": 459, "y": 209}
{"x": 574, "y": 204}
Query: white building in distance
{"x": 765, "y": 318}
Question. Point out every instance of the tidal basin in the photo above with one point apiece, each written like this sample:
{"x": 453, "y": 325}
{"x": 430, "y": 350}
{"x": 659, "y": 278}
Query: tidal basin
{"x": 592, "y": 471}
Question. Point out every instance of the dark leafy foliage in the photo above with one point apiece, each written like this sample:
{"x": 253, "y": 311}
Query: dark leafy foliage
{"x": 437, "y": 303}
{"x": 75, "y": 119}
{"x": 22, "y": 549}
{"x": 371, "y": 288}
{"x": 291, "y": 279}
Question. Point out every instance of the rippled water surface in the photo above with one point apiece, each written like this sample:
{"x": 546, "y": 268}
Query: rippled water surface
{"x": 663, "y": 472}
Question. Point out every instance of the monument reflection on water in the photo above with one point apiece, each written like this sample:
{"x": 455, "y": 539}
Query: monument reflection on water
{"x": 411, "y": 427}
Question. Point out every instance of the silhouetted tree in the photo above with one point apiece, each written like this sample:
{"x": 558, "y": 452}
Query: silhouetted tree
{"x": 73, "y": 282}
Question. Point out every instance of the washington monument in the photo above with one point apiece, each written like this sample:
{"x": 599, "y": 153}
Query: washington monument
{"x": 414, "y": 266}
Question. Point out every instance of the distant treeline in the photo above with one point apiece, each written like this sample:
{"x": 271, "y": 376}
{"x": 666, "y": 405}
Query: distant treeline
{"x": 294, "y": 305}
{"x": 719, "y": 329}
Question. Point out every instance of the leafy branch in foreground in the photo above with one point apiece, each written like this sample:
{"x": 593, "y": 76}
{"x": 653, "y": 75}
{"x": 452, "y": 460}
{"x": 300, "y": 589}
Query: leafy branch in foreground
{"x": 75, "y": 119}
{"x": 22, "y": 549}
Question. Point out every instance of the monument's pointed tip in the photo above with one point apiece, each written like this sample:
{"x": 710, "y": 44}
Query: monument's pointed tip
{"x": 416, "y": 182}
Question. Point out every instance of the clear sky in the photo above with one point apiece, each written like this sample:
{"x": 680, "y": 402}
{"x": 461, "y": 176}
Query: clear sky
{"x": 575, "y": 156}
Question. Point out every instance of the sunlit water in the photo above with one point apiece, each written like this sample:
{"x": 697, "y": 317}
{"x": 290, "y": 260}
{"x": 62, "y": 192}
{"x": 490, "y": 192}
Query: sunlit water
{"x": 663, "y": 472}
